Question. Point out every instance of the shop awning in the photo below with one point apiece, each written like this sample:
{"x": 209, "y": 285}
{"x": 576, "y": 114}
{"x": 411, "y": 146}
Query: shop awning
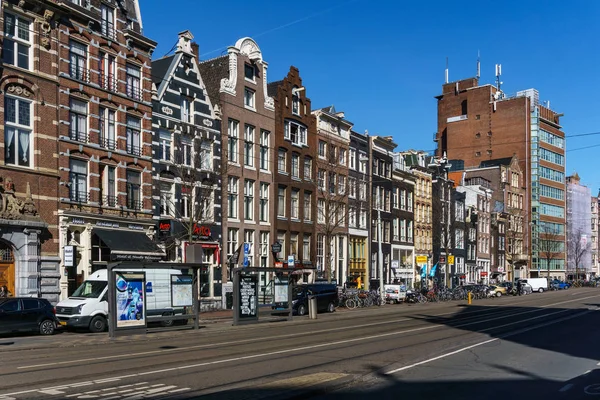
{"x": 129, "y": 246}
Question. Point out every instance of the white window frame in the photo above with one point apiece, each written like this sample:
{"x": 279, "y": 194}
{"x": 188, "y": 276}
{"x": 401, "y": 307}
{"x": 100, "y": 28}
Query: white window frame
{"x": 264, "y": 149}
{"x": 20, "y": 130}
{"x": 281, "y": 199}
{"x": 232, "y": 198}
{"x": 249, "y": 132}
{"x": 17, "y": 39}
{"x": 264, "y": 202}
{"x": 295, "y": 204}
{"x": 233, "y": 134}
{"x": 249, "y": 200}
{"x": 249, "y": 98}
{"x": 295, "y": 133}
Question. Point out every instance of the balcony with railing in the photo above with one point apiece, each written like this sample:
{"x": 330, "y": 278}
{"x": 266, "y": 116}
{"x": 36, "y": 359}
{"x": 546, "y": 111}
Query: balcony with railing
{"x": 77, "y": 196}
{"x": 79, "y": 73}
{"x": 133, "y": 203}
{"x": 78, "y": 135}
{"x": 108, "y": 82}
{"x": 108, "y": 201}
{"x": 134, "y": 150}
{"x": 134, "y": 92}
{"x": 106, "y": 143}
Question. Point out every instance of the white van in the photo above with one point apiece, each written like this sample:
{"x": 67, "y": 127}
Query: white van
{"x": 395, "y": 293}
{"x": 87, "y": 307}
{"x": 537, "y": 284}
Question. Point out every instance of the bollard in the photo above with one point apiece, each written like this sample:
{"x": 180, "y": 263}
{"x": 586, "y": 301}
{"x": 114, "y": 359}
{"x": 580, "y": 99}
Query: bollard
{"x": 312, "y": 307}
{"x": 470, "y": 296}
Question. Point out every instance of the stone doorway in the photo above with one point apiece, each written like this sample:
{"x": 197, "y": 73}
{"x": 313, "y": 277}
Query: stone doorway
{"x": 7, "y": 267}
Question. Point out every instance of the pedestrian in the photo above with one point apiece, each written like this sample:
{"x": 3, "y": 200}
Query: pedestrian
{"x": 4, "y": 291}
{"x": 519, "y": 287}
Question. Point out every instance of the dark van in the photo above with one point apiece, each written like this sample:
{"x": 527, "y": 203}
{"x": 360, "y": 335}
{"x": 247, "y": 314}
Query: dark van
{"x": 327, "y": 297}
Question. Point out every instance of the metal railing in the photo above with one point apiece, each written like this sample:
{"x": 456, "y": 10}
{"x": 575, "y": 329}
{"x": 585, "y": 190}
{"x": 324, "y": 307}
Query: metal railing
{"x": 79, "y": 73}
{"x": 108, "y": 30}
{"x": 108, "y": 82}
{"x": 78, "y": 197}
{"x": 78, "y": 136}
{"x": 134, "y": 150}
{"x": 134, "y": 92}
{"x": 109, "y": 144}
{"x": 108, "y": 201}
{"x": 133, "y": 204}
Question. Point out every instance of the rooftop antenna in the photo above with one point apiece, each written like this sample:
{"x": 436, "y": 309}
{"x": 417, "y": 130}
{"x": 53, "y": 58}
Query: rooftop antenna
{"x": 446, "y": 72}
{"x": 478, "y": 66}
{"x": 498, "y": 74}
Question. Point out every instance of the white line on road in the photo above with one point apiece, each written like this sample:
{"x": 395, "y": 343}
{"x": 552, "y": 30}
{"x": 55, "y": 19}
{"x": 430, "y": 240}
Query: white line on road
{"x": 566, "y": 387}
{"x": 487, "y": 341}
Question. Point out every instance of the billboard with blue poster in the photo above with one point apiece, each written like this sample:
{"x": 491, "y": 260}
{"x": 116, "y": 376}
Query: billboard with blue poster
{"x": 131, "y": 299}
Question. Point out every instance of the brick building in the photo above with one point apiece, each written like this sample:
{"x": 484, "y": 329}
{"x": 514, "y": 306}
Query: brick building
{"x": 480, "y": 122}
{"x": 294, "y": 141}
{"x": 403, "y": 248}
{"x": 333, "y": 140}
{"x": 237, "y": 85}
{"x": 187, "y": 165}
{"x": 359, "y": 206}
{"x": 29, "y": 173}
{"x": 104, "y": 136}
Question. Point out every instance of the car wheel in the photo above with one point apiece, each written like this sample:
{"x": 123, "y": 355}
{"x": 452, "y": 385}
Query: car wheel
{"x": 541, "y": 290}
{"x": 331, "y": 308}
{"x": 98, "y": 324}
{"x": 498, "y": 294}
{"x": 47, "y": 327}
{"x": 169, "y": 323}
{"x": 301, "y": 309}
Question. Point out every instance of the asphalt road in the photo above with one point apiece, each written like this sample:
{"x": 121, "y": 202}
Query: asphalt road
{"x": 541, "y": 345}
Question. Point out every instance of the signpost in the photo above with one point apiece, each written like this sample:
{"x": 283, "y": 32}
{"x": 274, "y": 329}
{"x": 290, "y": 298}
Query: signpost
{"x": 421, "y": 260}
{"x": 69, "y": 256}
{"x": 291, "y": 262}
{"x": 450, "y": 259}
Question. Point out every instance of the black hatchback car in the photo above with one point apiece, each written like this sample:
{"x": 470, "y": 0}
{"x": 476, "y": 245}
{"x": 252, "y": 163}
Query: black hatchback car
{"x": 18, "y": 314}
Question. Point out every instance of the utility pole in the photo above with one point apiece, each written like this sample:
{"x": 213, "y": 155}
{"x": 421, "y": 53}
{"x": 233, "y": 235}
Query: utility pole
{"x": 380, "y": 256}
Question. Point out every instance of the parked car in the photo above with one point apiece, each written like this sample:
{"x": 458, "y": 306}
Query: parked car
{"x": 395, "y": 293}
{"x": 19, "y": 314}
{"x": 327, "y": 297}
{"x": 499, "y": 290}
{"x": 559, "y": 285}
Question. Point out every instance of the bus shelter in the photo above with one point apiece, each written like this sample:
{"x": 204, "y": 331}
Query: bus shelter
{"x": 129, "y": 287}
{"x": 246, "y": 289}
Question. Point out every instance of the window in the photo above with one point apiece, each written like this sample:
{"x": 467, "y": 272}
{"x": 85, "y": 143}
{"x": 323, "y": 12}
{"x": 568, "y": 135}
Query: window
{"x": 342, "y": 156}
{"x": 459, "y": 239}
{"x": 184, "y": 203}
{"x": 552, "y": 139}
{"x": 342, "y": 185}
{"x": 166, "y": 199}
{"x": 249, "y": 238}
{"x": 134, "y": 196}
{"x": 264, "y": 248}
{"x": 232, "y": 241}
{"x": 232, "y": 203}
{"x": 362, "y": 192}
{"x": 78, "y": 61}
{"x": 206, "y": 156}
{"x": 321, "y": 179}
{"x": 281, "y": 202}
{"x": 108, "y": 21}
{"x": 551, "y": 210}
{"x": 295, "y": 166}
{"x": 307, "y": 206}
{"x": 249, "y": 72}
{"x": 322, "y": 149}
{"x": 264, "y": 150}
{"x": 186, "y": 152}
{"x": 17, "y": 131}
{"x": 249, "y": 200}
{"x": 295, "y": 102}
{"x": 108, "y": 194}
{"x": 320, "y": 253}
{"x": 332, "y": 152}
{"x": 186, "y": 110}
{"x": 352, "y": 187}
{"x": 78, "y": 181}
{"x": 134, "y": 136}
{"x": 107, "y": 72}
{"x": 264, "y": 202}
{"x": 321, "y": 211}
{"x": 552, "y": 157}
{"x": 295, "y": 204}
{"x": 134, "y": 88}
{"x": 332, "y": 180}
{"x": 281, "y": 240}
{"x": 78, "y": 121}
{"x": 281, "y": 161}
{"x": 352, "y": 164}
{"x": 395, "y": 229}
{"x": 294, "y": 244}
{"x": 362, "y": 163}
{"x": 363, "y": 219}
{"x": 295, "y": 133}
{"x": 395, "y": 199}
{"x": 307, "y": 168}
{"x": 249, "y": 146}
{"x": 107, "y": 129}
{"x": 306, "y": 247}
{"x": 17, "y": 42}
{"x": 249, "y": 98}
{"x": 549, "y": 191}
{"x": 351, "y": 217}
{"x": 232, "y": 145}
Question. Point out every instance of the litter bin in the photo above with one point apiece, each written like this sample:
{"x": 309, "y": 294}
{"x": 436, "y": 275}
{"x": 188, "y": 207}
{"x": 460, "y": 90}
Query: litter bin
{"x": 312, "y": 307}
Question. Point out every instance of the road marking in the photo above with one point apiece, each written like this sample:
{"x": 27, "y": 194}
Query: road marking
{"x": 486, "y": 342}
{"x": 566, "y": 387}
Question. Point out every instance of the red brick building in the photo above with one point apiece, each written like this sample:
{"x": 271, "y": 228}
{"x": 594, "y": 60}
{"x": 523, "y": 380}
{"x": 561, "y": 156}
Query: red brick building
{"x": 104, "y": 136}
{"x": 479, "y": 122}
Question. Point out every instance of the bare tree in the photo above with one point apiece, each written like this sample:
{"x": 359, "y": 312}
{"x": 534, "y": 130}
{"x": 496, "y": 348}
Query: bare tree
{"x": 445, "y": 221}
{"x": 514, "y": 238}
{"x": 332, "y": 200}
{"x": 578, "y": 246}
{"x": 550, "y": 244}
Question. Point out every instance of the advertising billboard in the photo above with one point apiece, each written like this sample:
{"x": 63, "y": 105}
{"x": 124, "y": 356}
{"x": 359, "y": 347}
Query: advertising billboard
{"x": 131, "y": 299}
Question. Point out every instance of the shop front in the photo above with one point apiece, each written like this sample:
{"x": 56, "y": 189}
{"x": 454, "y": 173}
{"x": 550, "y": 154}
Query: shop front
{"x": 402, "y": 270}
{"x": 90, "y": 243}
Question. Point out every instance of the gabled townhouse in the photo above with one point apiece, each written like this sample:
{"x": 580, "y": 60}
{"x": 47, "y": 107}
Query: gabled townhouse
{"x": 294, "y": 177}
{"x": 237, "y": 85}
{"x": 359, "y": 207}
{"x": 187, "y": 170}
{"x": 105, "y": 137}
{"x": 403, "y": 248}
{"x": 382, "y": 187}
{"x": 29, "y": 171}
{"x": 333, "y": 141}
{"x": 461, "y": 232}
{"x": 442, "y": 218}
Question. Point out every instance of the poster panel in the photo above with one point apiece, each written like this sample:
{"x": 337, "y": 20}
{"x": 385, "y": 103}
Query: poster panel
{"x": 131, "y": 299}
{"x": 181, "y": 291}
{"x": 281, "y": 290}
{"x": 248, "y": 297}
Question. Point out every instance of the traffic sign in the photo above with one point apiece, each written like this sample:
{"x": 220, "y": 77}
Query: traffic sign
{"x": 450, "y": 259}
{"x": 290, "y": 261}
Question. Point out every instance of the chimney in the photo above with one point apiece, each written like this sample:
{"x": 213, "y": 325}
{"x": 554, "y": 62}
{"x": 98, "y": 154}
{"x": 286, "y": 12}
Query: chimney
{"x": 196, "y": 50}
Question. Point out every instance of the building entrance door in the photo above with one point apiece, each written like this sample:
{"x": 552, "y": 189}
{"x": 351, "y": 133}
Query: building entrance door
{"x": 7, "y": 267}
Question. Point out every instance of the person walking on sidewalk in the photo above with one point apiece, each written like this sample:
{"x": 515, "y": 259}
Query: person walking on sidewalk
{"x": 4, "y": 291}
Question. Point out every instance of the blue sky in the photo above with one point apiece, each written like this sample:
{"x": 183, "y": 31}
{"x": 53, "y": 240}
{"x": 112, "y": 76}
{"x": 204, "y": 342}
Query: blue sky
{"x": 382, "y": 62}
